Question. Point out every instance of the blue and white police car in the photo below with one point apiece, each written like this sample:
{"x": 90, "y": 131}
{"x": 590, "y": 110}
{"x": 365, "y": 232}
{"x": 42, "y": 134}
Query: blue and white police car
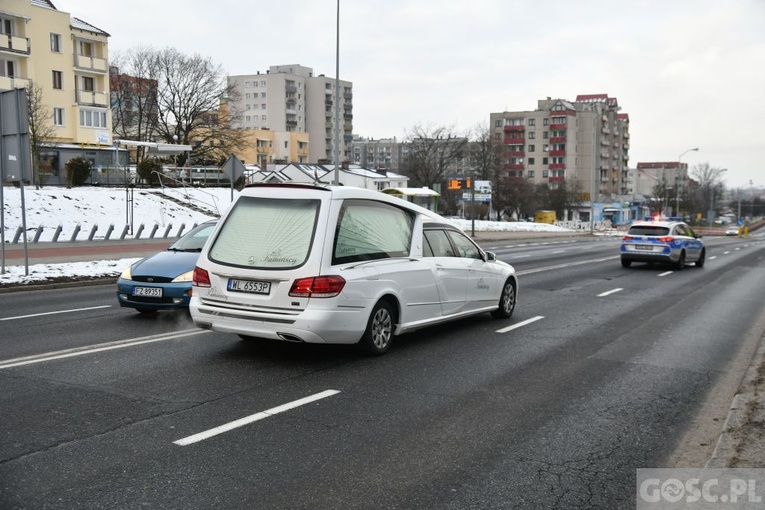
{"x": 662, "y": 241}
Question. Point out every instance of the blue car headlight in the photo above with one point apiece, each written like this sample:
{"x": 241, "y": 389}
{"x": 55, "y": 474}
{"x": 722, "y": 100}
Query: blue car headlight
{"x": 127, "y": 273}
{"x": 185, "y": 277}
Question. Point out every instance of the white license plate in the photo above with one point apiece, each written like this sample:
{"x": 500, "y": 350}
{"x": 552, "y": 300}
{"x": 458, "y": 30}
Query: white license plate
{"x": 250, "y": 286}
{"x": 643, "y": 247}
{"x": 148, "y": 291}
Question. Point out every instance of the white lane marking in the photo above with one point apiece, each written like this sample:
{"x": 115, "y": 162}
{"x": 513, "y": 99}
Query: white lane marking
{"x": 666, "y": 273}
{"x": 513, "y": 257}
{"x": 557, "y": 251}
{"x": 54, "y": 313}
{"x": 726, "y": 252}
{"x": 610, "y": 292}
{"x": 81, "y": 351}
{"x": 253, "y": 418}
{"x": 562, "y": 266}
{"x": 520, "y": 324}
{"x": 738, "y": 249}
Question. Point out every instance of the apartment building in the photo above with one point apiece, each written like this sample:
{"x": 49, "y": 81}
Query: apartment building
{"x": 377, "y": 154}
{"x": 67, "y": 58}
{"x": 584, "y": 143}
{"x": 289, "y": 98}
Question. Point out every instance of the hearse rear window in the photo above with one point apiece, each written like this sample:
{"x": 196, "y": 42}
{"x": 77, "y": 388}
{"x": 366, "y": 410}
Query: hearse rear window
{"x": 368, "y": 230}
{"x": 267, "y": 233}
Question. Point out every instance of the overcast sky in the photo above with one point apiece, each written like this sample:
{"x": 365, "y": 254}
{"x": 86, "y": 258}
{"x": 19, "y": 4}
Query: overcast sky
{"x": 690, "y": 73}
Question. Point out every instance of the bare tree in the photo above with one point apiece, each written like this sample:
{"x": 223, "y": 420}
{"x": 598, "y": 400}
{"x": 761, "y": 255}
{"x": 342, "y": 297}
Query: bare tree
{"x": 190, "y": 91}
{"x": 711, "y": 185}
{"x": 41, "y": 128}
{"x": 485, "y": 157}
{"x": 134, "y": 79}
{"x": 432, "y": 153}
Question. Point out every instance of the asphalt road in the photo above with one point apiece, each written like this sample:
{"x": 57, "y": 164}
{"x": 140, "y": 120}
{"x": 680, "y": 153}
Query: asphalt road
{"x": 602, "y": 370}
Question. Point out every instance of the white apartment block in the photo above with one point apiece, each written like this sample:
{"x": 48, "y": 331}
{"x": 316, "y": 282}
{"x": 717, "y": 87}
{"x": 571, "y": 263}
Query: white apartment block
{"x": 290, "y": 98}
{"x": 584, "y": 143}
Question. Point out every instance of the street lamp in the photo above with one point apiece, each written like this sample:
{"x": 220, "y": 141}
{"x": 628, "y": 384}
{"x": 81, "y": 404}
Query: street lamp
{"x": 677, "y": 185}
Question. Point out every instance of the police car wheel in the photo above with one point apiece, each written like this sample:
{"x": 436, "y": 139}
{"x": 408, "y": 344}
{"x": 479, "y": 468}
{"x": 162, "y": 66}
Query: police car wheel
{"x": 700, "y": 262}
{"x": 626, "y": 263}
{"x": 680, "y": 262}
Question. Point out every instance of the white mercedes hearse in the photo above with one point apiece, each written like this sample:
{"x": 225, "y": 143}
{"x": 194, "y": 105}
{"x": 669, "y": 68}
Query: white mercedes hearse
{"x": 337, "y": 264}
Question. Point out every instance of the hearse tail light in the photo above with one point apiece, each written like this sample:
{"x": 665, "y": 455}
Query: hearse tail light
{"x": 201, "y": 277}
{"x": 317, "y": 287}
{"x": 667, "y": 239}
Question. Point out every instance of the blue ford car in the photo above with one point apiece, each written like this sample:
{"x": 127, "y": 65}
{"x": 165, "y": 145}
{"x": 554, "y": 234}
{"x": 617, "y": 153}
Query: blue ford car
{"x": 667, "y": 242}
{"x": 163, "y": 281}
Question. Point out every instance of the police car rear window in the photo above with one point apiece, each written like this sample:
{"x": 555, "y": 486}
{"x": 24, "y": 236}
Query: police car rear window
{"x": 648, "y": 230}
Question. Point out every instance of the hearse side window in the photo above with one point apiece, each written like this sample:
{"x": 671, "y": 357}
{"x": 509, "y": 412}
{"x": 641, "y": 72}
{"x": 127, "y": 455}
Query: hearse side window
{"x": 368, "y": 230}
{"x": 437, "y": 244}
{"x": 465, "y": 247}
{"x": 267, "y": 233}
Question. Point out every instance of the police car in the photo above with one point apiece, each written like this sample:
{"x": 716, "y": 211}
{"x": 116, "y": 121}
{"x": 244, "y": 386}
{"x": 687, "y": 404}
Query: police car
{"x": 662, "y": 241}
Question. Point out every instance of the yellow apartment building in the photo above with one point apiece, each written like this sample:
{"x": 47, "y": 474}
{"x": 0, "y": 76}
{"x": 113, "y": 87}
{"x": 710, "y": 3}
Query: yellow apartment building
{"x": 67, "y": 58}
{"x": 265, "y": 147}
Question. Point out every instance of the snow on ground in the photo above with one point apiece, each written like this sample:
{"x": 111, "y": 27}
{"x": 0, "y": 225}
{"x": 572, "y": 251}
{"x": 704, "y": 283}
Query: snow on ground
{"x": 86, "y": 207}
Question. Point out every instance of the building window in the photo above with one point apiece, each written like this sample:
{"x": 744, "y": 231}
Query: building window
{"x": 263, "y": 83}
{"x": 546, "y": 121}
{"x": 544, "y": 161}
{"x": 531, "y": 161}
{"x": 545, "y": 135}
{"x": 532, "y": 122}
{"x": 532, "y": 148}
{"x": 532, "y": 135}
{"x": 263, "y": 118}
{"x": 7, "y": 68}
{"x": 263, "y": 106}
{"x": 248, "y": 96}
{"x": 58, "y": 116}
{"x": 247, "y": 84}
{"x": 262, "y": 94}
{"x": 531, "y": 174}
{"x": 545, "y": 173}
{"x": 92, "y": 118}
{"x": 6, "y": 26}
{"x": 88, "y": 84}
{"x": 86, "y": 49}
{"x": 57, "y": 80}
{"x": 55, "y": 43}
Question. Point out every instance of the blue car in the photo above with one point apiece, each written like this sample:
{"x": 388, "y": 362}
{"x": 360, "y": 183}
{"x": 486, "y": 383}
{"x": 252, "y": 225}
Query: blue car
{"x": 163, "y": 281}
{"x": 665, "y": 242}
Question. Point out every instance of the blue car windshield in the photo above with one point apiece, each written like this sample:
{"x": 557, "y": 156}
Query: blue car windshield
{"x": 194, "y": 239}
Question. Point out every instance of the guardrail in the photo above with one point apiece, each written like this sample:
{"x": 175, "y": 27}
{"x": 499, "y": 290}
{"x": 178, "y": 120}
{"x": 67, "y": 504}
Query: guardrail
{"x": 91, "y": 235}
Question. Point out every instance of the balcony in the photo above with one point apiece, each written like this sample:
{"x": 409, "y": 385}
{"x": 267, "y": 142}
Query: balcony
{"x": 558, "y": 153}
{"x": 16, "y": 45}
{"x": 557, "y": 166}
{"x": 557, "y": 179}
{"x": 513, "y": 141}
{"x": 290, "y": 89}
{"x": 290, "y": 122}
{"x": 92, "y": 64}
{"x": 91, "y": 98}
{"x": 517, "y": 154}
{"x": 515, "y": 128}
{"x": 558, "y": 127}
{"x": 348, "y": 116}
{"x": 514, "y": 167}
{"x": 290, "y": 111}
{"x": 7, "y": 83}
{"x": 558, "y": 139}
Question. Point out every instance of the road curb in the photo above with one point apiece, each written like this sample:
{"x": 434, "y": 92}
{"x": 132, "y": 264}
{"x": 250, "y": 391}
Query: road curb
{"x": 739, "y": 414}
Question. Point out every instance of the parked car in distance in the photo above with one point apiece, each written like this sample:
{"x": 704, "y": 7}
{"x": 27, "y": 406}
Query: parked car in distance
{"x": 668, "y": 242}
{"x": 732, "y": 230}
{"x": 163, "y": 280}
{"x": 338, "y": 264}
